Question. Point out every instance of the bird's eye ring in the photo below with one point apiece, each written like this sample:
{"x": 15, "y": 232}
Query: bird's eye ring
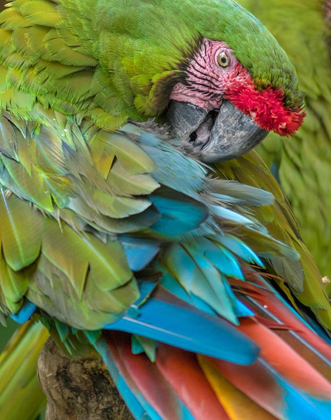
{"x": 223, "y": 59}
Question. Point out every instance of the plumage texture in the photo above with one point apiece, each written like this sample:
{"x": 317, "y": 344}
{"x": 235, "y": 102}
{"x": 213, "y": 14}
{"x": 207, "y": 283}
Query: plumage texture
{"x": 131, "y": 246}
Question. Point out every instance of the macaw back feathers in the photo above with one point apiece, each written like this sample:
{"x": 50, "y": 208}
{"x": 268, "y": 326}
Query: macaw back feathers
{"x": 88, "y": 187}
{"x": 96, "y": 185}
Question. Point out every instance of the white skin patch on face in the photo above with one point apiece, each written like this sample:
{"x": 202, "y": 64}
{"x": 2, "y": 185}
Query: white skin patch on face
{"x": 207, "y": 74}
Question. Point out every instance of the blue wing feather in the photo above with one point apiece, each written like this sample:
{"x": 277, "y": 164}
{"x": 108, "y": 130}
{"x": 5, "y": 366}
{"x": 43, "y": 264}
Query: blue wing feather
{"x": 179, "y": 213}
{"x": 239, "y": 248}
{"x": 165, "y": 318}
{"x": 139, "y": 251}
{"x": 24, "y": 314}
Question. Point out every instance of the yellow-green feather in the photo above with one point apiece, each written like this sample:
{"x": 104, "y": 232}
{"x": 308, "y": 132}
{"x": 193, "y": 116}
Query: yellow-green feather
{"x": 281, "y": 223}
{"x": 20, "y": 394}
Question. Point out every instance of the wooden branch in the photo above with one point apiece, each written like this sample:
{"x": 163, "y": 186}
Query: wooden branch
{"x": 78, "y": 389}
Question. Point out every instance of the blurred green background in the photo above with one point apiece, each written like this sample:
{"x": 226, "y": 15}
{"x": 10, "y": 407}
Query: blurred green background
{"x": 6, "y": 332}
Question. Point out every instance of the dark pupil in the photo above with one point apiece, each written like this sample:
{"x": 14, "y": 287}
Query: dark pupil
{"x": 223, "y": 59}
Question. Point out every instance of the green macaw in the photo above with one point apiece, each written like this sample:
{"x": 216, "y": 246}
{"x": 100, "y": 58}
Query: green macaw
{"x": 123, "y": 224}
{"x": 302, "y": 27}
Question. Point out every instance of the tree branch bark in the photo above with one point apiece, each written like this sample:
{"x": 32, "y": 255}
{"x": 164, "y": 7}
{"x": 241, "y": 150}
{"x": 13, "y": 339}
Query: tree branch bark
{"x": 78, "y": 389}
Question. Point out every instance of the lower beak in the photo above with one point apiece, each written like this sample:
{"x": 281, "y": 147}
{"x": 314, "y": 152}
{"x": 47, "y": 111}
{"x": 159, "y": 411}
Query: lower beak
{"x": 214, "y": 136}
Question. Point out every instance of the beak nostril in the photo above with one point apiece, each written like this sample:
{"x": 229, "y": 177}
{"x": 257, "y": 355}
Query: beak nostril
{"x": 214, "y": 114}
{"x": 193, "y": 137}
{"x": 233, "y": 134}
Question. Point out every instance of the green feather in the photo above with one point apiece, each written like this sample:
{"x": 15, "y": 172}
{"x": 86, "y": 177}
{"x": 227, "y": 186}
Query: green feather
{"x": 21, "y": 396}
{"x": 20, "y": 233}
{"x": 106, "y": 261}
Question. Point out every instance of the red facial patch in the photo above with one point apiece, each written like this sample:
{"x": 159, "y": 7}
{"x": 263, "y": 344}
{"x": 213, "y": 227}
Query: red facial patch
{"x": 207, "y": 84}
{"x": 265, "y": 107}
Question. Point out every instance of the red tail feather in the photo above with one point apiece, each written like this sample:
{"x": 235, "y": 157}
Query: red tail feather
{"x": 183, "y": 372}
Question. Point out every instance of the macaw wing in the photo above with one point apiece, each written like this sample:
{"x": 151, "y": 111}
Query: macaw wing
{"x": 303, "y": 279}
{"x": 63, "y": 201}
{"x": 90, "y": 200}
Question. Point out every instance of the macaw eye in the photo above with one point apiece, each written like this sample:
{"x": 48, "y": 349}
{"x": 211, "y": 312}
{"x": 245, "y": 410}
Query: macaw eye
{"x": 222, "y": 59}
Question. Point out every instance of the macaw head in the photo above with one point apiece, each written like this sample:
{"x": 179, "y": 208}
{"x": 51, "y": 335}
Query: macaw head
{"x": 211, "y": 67}
{"x": 208, "y": 68}
{"x": 219, "y": 113}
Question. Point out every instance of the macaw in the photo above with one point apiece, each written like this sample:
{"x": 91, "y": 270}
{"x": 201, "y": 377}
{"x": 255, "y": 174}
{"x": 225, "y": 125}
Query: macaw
{"x": 303, "y": 164}
{"x": 123, "y": 224}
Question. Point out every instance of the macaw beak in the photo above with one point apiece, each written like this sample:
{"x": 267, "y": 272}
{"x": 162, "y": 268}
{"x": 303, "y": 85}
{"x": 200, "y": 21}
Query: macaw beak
{"x": 213, "y": 136}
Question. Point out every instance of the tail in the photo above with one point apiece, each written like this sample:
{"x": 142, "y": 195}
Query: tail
{"x": 288, "y": 379}
{"x": 20, "y": 394}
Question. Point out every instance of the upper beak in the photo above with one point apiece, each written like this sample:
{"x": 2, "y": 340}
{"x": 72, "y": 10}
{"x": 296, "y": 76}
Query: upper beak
{"x": 214, "y": 136}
